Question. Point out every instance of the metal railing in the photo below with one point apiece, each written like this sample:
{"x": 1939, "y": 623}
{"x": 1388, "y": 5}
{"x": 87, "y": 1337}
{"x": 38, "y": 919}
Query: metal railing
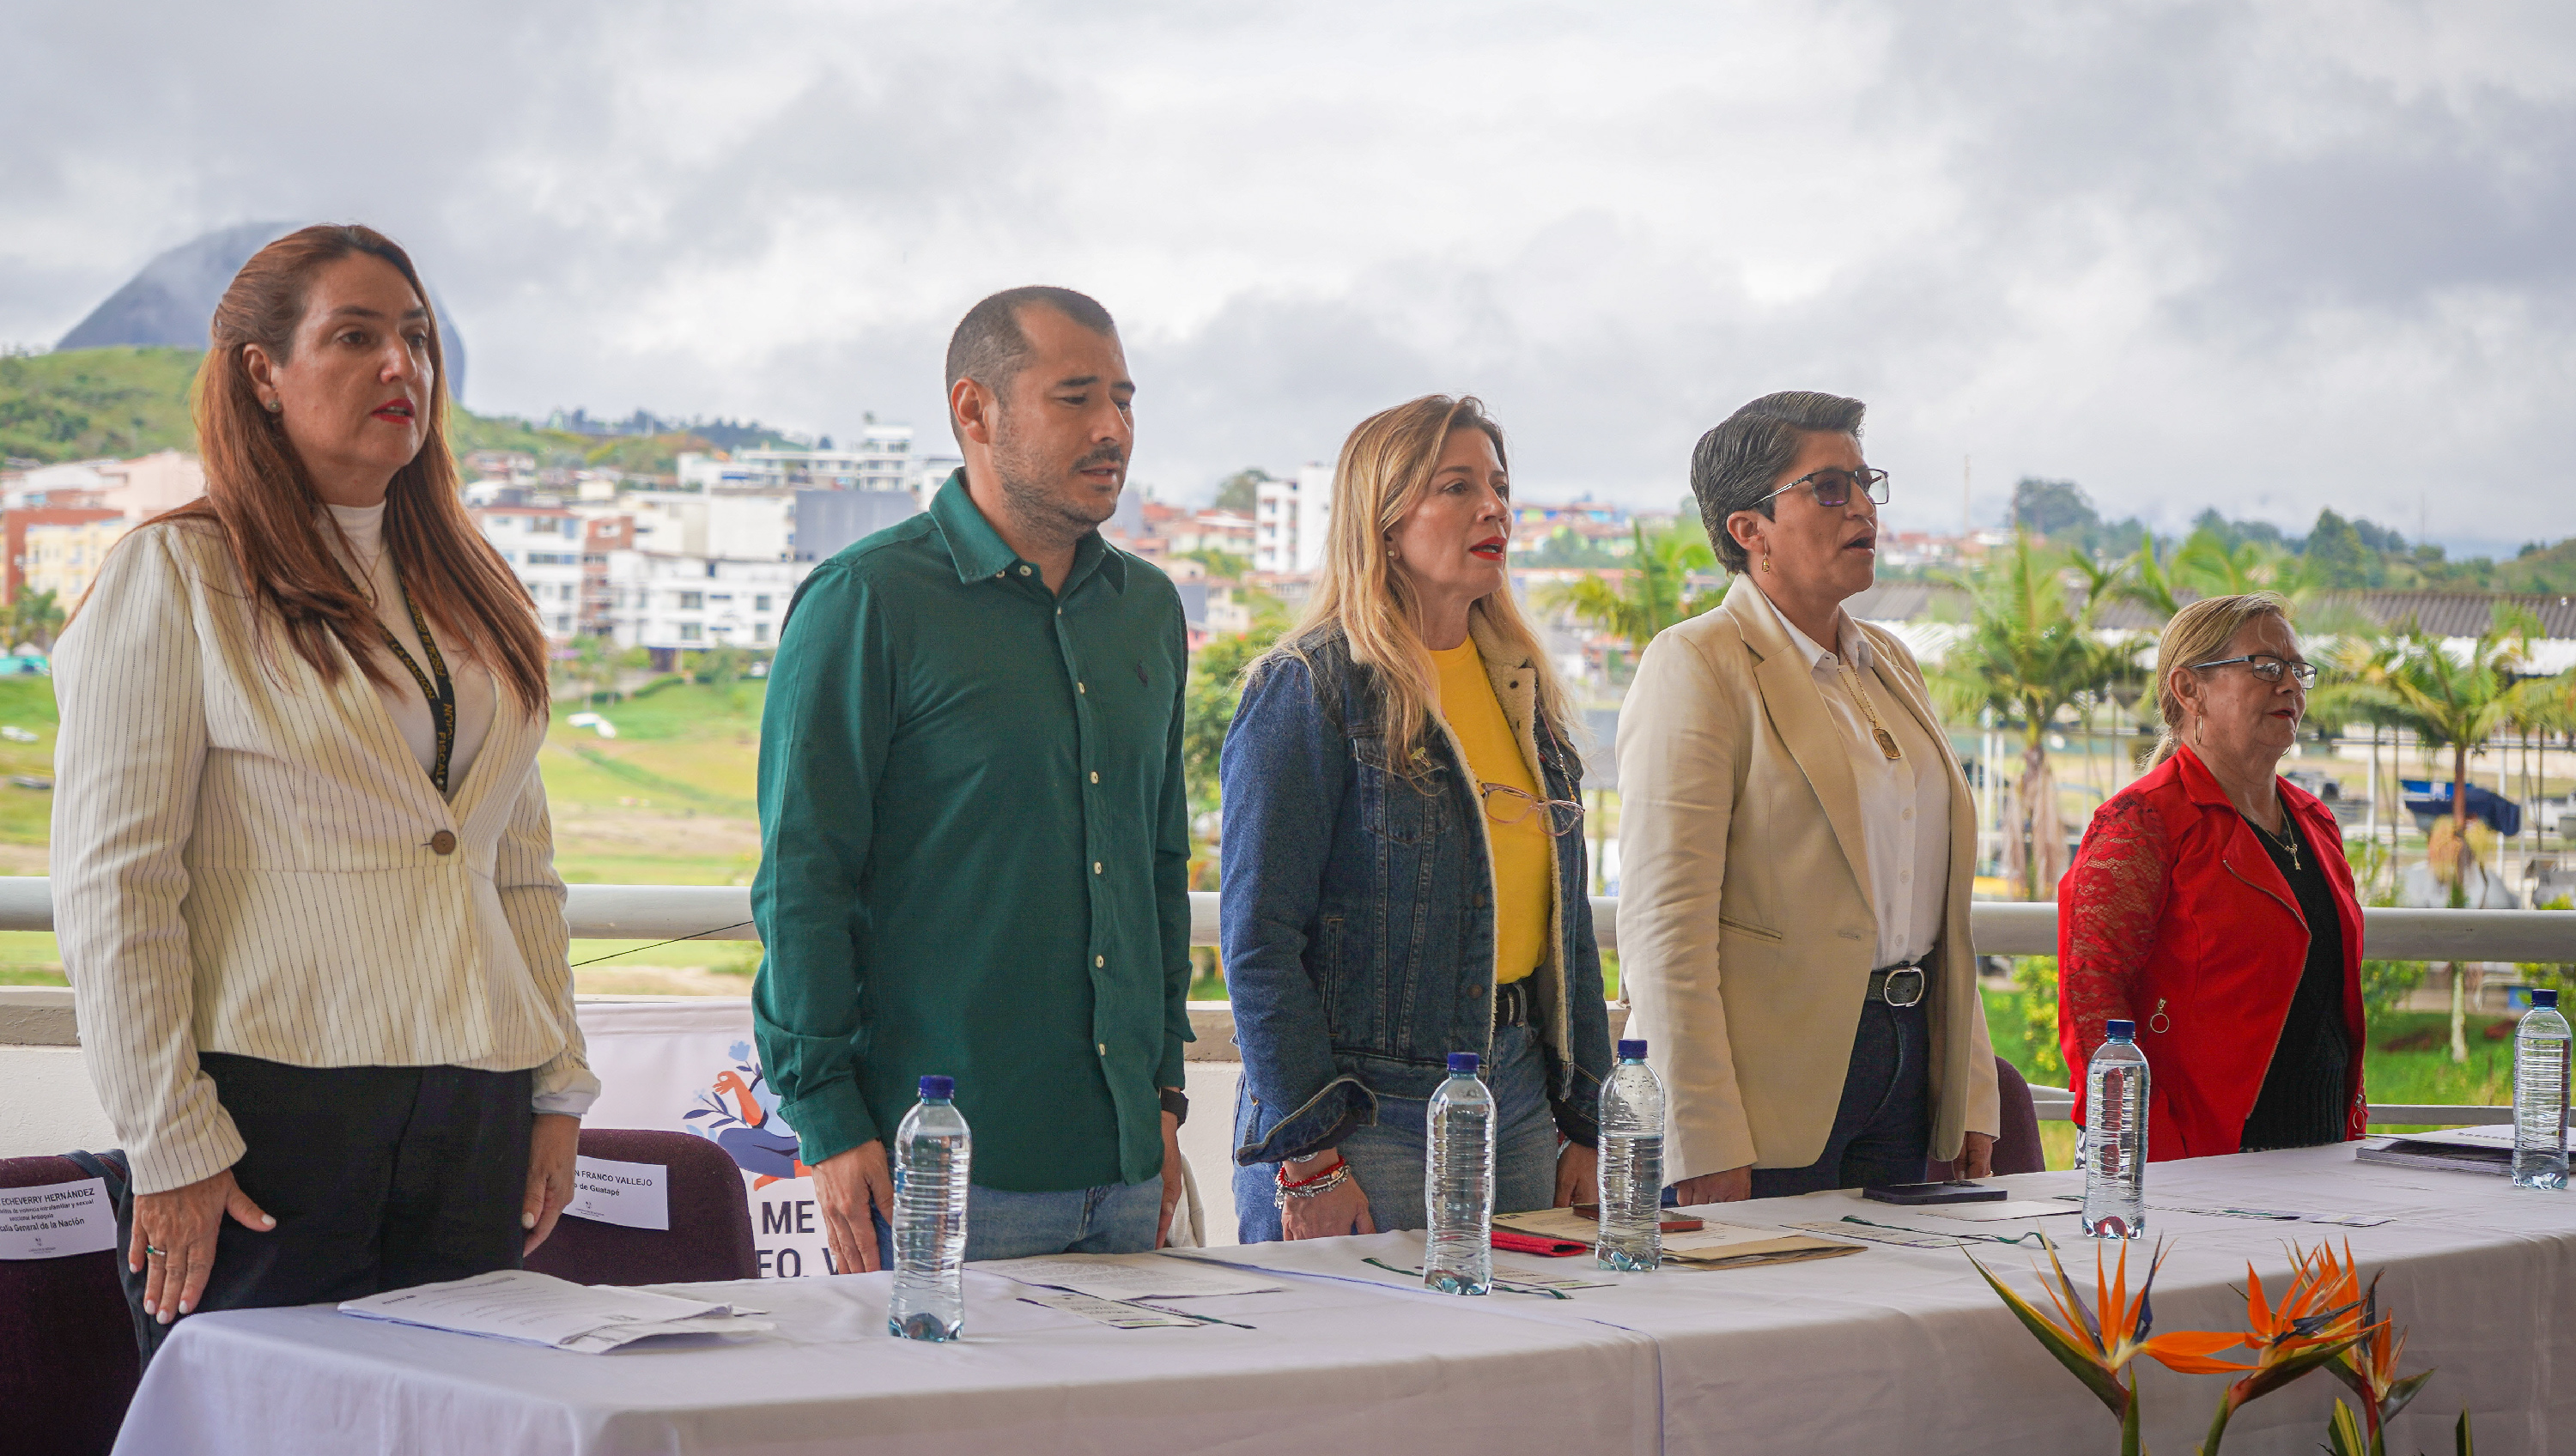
{"x": 723, "y": 912}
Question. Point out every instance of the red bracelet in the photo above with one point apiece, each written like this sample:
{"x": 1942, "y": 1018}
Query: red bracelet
{"x": 1286, "y": 1182}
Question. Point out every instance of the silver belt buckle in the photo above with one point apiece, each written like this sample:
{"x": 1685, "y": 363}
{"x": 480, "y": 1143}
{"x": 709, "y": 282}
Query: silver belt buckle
{"x": 1887, "y": 990}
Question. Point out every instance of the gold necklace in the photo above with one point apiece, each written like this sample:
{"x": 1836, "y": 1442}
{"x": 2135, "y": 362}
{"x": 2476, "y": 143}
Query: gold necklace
{"x": 2288, "y": 838}
{"x": 1886, "y": 740}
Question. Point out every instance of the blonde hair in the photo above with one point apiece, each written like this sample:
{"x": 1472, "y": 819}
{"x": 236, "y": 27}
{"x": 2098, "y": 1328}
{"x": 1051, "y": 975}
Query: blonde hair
{"x": 2201, "y": 632}
{"x": 1385, "y": 469}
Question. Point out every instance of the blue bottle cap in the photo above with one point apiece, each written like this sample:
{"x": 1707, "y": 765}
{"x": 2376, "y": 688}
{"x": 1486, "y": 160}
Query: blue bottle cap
{"x": 2120, "y": 1030}
{"x": 1632, "y": 1051}
{"x": 2543, "y": 996}
{"x": 1463, "y": 1062}
{"x": 938, "y": 1088}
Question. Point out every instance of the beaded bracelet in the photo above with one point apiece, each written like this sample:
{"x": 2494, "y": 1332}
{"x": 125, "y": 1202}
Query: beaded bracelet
{"x": 1294, "y": 1183}
{"x": 1316, "y": 1186}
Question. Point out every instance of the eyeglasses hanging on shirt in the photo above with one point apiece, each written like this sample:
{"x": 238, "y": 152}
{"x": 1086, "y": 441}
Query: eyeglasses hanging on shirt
{"x": 1505, "y": 804}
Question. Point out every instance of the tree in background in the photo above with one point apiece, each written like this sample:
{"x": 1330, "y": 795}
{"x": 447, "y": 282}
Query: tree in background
{"x": 1649, "y": 595}
{"x": 597, "y": 664}
{"x": 2458, "y": 703}
{"x": 2027, "y": 654}
{"x": 32, "y": 619}
{"x": 2053, "y": 508}
{"x": 1236, "y": 492}
{"x": 1220, "y": 564}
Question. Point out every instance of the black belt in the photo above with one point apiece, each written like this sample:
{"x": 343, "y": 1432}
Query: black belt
{"x": 1900, "y": 985}
{"x": 1512, "y": 1003}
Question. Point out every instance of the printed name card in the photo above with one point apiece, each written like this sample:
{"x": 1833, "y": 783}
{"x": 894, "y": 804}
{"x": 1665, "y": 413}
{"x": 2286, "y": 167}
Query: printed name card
{"x": 630, "y": 1195}
{"x": 56, "y": 1220}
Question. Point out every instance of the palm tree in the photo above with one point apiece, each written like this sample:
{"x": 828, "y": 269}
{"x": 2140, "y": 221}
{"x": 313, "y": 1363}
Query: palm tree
{"x": 32, "y": 617}
{"x": 2027, "y": 654}
{"x": 1644, "y": 599}
{"x": 2354, "y": 686}
{"x": 2458, "y": 703}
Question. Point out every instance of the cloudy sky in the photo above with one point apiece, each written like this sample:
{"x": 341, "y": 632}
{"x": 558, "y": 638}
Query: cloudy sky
{"x": 2264, "y": 256}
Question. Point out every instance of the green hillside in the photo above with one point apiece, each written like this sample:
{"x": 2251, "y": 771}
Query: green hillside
{"x": 88, "y": 403}
{"x": 94, "y": 402}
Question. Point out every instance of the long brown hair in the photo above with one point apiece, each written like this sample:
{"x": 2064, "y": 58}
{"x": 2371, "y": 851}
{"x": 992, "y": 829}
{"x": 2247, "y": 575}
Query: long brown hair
{"x": 1385, "y": 469}
{"x": 259, "y": 496}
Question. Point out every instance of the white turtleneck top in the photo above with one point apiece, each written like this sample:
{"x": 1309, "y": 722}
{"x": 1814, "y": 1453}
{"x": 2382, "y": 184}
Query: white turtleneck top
{"x": 373, "y": 567}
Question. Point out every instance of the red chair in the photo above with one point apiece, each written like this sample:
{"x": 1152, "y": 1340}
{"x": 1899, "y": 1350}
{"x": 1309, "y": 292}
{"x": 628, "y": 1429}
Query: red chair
{"x": 68, "y": 1364}
{"x": 710, "y": 1234}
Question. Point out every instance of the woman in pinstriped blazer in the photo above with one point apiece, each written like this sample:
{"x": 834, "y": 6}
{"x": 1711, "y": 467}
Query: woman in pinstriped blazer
{"x": 303, "y": 870}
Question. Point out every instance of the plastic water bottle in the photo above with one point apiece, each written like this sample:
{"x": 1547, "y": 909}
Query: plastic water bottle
{"x": 2540, "y": 1095}
{"x": 1458, "y": 1183}
{"x": 2115, "y": 1136}
{"x": 931, "y": 1153}
{"x": 1632, "y": 1165}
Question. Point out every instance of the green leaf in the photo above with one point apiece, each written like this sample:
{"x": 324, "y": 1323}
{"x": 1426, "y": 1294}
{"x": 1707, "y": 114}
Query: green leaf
{"x": 2399, "y": 1394}
{"x": 2343, "y": 1433}
{"x": 2103, "y": 1383}
{"x": 2461, "y": 1441}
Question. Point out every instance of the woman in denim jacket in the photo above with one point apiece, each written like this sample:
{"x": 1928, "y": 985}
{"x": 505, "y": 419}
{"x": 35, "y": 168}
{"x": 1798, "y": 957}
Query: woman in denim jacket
{"x": 1403, "y": 857}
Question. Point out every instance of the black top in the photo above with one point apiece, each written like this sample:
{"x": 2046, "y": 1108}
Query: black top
{"x": 2302, "y": 1101}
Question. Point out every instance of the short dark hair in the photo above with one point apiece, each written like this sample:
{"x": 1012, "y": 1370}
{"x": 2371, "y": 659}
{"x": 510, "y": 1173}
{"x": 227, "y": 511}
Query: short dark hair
{"x": 990, "y": 347}
{"x": 1739, "y": 462}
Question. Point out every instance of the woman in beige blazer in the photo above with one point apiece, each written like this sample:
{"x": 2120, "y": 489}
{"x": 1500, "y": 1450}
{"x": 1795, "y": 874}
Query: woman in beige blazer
{"x": 1797, "y": 846}
{"x": 303, "y": 872}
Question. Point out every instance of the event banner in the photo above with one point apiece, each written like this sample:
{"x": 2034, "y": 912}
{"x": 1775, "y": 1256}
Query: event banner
{"x": 689, "y": 1065}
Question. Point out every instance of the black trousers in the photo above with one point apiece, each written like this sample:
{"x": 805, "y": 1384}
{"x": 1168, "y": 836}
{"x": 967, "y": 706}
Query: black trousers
{"x": 379, "y": 1178}
{"x": 1883, "y": 1129}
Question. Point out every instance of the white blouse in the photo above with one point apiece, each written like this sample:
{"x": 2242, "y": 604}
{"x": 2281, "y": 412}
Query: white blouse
{"x": 363, "y": 552}
{"x": 1904, "y": 802}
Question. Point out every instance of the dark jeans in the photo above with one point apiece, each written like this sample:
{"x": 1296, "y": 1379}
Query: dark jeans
{"x": 1883, "y": 1129}
{"x": 379, "y": 1178}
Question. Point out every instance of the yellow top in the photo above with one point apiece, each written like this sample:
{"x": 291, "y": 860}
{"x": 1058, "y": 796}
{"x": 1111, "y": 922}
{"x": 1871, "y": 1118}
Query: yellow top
{"x": 1524, "y": 852}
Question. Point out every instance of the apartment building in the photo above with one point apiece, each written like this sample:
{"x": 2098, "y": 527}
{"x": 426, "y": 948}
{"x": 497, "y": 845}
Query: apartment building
{"x": 1291, "y": 519}
{"x": 63, "y": 557}
{"x": 674, "y": 604}
{"x": 544, "y": 546}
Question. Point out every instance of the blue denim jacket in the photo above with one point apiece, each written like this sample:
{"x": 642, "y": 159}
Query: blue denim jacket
{"x": 1358, "y": 925}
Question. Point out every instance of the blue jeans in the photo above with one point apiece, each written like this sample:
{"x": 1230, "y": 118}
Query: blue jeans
{"x": 1117, "y": 1218}
{"x": 1388, "y": 1158}
{"x": 1882, "y": 1131}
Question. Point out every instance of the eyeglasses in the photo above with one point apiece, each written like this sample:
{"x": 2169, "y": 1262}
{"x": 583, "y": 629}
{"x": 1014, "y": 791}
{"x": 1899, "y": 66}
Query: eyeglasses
{"x": 2269, "y": 668}
{"x": 1833, "y": 488}
{"x": 1507, "y": 805}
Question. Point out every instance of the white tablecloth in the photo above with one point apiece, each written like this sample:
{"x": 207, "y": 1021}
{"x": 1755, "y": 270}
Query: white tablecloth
{"x": 1889, "y": 1350}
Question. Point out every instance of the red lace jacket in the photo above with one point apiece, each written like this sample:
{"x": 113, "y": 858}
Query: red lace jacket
{"x": 2173, "y": 917}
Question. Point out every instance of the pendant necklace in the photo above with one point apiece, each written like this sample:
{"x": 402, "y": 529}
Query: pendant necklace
{"x": 1886, "y": 740}
{"x": 2288, "y": 838}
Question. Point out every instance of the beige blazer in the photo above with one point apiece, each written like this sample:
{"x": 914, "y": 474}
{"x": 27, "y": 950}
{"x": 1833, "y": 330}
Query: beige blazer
{"x": 1746, "y": 932}
{"x": 249, "y": 860}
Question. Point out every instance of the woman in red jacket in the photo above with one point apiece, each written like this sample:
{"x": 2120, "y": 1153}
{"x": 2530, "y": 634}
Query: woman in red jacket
{"x": 2211, "y": 905}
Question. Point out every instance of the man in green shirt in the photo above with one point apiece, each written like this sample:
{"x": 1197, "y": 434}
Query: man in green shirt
{"x": 974, "y": 836}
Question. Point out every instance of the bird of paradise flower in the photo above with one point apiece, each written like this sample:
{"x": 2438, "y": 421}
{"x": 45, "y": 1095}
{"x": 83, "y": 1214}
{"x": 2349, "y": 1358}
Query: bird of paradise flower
{"x": 2370, "y": 1368}
{"x": 2322, "y": 1317}
{"x": 2098, "y": 1351}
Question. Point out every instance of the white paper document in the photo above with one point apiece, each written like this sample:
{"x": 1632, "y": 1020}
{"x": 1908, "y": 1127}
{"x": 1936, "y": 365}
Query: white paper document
{"x": 1114, "y": 1313}
{"x": 1989, "y": 1212}
{"x": 630, "y": 1195}
{"x": 521, "y": 1304}
{"x": 56, "y": 1220}
{"x": 1132, "y": 1276}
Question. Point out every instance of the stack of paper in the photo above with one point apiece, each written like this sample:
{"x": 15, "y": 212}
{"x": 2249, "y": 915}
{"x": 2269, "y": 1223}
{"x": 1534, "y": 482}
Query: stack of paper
{"x": 520, "y": 1304}
{"x": 2460, "y": 1149}
{"x": 1713, "y": 1246}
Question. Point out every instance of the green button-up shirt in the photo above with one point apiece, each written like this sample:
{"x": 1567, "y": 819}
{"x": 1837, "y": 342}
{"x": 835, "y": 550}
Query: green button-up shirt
{"x": 975, "y": 850}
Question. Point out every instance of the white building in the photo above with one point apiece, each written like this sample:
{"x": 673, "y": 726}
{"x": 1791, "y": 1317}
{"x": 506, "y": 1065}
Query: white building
{"x": 1292, "y": 519}
{"x": 690, "y": 603}
{"x": 543, "y": 546}
{"x": 881, "y": 461}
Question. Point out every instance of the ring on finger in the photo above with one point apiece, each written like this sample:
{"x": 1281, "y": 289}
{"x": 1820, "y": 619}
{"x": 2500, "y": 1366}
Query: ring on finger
{"x": 156, "y": 1253}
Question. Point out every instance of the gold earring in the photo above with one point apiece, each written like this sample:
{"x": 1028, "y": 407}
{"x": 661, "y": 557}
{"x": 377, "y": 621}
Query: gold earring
{"x": 1766, "y": 563}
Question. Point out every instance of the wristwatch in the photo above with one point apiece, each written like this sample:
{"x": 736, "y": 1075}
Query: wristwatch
{"x": 1176, "y": 1104}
